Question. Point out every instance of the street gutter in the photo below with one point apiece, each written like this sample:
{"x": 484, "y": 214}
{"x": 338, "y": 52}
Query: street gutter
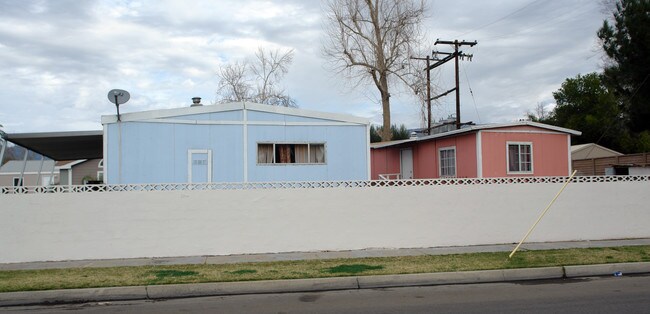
{"x": 160, "y": 292}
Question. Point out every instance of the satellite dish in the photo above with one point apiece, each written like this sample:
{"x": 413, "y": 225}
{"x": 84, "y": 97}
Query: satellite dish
{"x": 118, "y": 97}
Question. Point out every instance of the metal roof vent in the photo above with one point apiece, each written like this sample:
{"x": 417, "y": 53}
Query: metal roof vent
{"x": 196, "y": 101}
{"x": 413, "y": 135}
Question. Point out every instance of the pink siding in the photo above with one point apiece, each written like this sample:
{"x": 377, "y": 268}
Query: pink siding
{"x": 384, "y": 161}
{"x": 425, "y": 163}
{"x": 550, "y": 152}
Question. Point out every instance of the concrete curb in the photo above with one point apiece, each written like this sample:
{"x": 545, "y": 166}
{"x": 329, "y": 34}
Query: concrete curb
{"x": 251, "y": 287}
{"x": 482, "y": 276}
{"x": 73, "y": 296}
{"x": 606, "y": 269}
{"x": 312, "y": 285}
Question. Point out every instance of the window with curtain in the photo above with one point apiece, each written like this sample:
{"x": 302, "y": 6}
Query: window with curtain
{"x": 520, "y": 157}
{"x": 447, "y": 162}
{"x": 287, "y": 153}
{"x": 264, "y": 153}
{"x": 317, "y": 153}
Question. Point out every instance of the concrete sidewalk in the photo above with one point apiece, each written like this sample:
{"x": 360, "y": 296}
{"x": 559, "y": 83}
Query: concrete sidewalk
{"x": 158, "y": 292}
{"x": 293, "y": 256}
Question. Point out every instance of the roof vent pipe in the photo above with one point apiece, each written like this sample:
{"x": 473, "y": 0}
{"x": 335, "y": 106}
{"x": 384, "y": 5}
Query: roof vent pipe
{"x": 196, "y": 101}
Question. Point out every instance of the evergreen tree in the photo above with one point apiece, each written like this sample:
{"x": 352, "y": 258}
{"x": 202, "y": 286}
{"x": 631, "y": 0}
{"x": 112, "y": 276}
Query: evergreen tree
{"x": 626, "y": 41}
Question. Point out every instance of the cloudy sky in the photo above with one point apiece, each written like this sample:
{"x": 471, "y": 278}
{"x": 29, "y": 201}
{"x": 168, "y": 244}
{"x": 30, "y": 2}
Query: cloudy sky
{"x": 59, "y": 59}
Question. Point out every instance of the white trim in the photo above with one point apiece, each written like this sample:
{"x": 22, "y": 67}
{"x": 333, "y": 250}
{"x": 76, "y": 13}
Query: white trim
{"x": 479, "y": 154}
{"x": 532, "y": 163}
{"x": 368, "y": 153}
{"x": 440, "y": 162}
{"x": 245, "y": 127}
{"x": 189, "y": 163}
{"x": 175, "y": 112}
{"x": 105, "y": 152}
{"x": 119, "y": 152}
{"x": 569, "y": 159}
{"x": 26, "y": 173}
{"x": 237, "y": 122}
{"x": 523, "y": 131}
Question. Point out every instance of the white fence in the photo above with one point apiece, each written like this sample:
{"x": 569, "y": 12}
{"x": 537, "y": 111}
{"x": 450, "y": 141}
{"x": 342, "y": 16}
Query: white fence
{"x": 127, "y": 221}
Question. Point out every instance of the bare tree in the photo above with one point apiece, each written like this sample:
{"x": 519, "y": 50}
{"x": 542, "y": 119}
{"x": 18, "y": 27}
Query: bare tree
{"x": 539, "y": 113}
{"x": 372, "y": 40}
{"x": 257, "y": 80}
{"x": 233, "y": 84}
{"x": 268, "y": 70}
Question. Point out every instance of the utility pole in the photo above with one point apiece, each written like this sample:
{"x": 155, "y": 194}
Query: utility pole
{"x": 449, "y": 55}
{"x": 455, "y": 55}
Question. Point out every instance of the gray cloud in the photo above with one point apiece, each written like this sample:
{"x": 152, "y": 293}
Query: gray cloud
{"x": 58, "y": 59}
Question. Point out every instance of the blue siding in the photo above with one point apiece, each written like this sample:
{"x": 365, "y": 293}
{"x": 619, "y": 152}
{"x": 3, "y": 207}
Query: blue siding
{"x": 270, "y": 116}
{"x": 157, "y": 152}
{"x": 235, "y": 115}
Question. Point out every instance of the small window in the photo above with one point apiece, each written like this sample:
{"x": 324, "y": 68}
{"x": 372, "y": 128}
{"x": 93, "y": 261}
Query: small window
{"x": 447, "y": 158}
{"x": 18, "y": 182}
{"x": 286, "y": 153}
{"x": 520, "y": 158}
{"x": 317, "y": 153}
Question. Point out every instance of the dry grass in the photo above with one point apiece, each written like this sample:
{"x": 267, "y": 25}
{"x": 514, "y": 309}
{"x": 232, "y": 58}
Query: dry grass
{"x": 27, "y": 280}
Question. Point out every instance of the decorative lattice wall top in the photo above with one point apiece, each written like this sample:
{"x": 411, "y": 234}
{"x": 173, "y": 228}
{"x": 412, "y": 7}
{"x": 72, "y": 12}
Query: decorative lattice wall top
{"x": 313, "y": 185}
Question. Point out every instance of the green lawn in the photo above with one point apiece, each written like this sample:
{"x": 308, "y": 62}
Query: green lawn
{"x": 28, "y": 280}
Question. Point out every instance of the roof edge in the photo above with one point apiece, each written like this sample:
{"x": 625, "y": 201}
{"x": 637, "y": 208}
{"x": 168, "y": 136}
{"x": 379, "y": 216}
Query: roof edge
{"x": 476, "y": 128}
{"x": 173, "y": 112}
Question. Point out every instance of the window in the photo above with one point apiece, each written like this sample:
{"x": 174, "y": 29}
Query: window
{"x": 447, "y": 158}
{"x": 520, "y": 157}
{"x": 18, "y": 182}
{"x": 285, "y": 153}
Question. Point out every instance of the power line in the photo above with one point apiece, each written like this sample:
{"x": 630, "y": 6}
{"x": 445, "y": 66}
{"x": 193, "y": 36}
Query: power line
{"x": 500, "y": 19}
{"x": 570, "y": 13}
{"x": 471, "y": 93}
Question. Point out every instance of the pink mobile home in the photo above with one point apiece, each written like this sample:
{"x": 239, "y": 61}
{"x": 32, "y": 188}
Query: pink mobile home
{"x": 494, "y": 150}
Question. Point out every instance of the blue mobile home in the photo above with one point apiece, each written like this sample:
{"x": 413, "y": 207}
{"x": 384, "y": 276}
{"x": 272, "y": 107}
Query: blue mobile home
{"x": 235, "y": 142}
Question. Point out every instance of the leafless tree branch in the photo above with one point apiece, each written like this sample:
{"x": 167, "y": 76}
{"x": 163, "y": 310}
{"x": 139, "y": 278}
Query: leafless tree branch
{"x": 371, "y": 41}
{"x": 257, "y": 80}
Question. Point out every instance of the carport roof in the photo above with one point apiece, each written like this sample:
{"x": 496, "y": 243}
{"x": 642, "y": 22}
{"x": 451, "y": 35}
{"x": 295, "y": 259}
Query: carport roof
{"x": 62, "y": 145}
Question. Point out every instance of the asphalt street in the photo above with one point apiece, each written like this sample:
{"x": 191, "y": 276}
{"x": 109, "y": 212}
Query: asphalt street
{"x": 626, "y": 294}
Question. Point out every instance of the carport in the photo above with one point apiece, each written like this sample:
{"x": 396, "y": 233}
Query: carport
{"x": 57, "y": 146}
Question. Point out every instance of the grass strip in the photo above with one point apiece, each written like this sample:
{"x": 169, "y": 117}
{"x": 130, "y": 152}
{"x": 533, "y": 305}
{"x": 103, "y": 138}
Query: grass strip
{"x": 74, "y": 278}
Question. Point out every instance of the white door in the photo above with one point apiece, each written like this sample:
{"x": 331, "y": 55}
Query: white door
{"x": 406, "y": 163}
{"x": 199, "y": 168}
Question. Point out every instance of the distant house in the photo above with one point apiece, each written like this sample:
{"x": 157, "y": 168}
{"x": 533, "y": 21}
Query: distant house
{"x": 81, "y": 171}
{"x": 631, "y": 164}
{"x": 591, "y": 150}
{"x": 493, "y": 150}
{"x": 235, "y": 142}
{"x": 34, "y": 173}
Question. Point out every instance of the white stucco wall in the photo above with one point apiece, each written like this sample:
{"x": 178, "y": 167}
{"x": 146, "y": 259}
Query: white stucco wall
{"x": 70, "y": 226}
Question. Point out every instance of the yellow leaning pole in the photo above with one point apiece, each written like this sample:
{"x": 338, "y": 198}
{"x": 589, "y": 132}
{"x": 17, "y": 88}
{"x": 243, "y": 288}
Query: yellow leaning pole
{"x": 543, "y": 213}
